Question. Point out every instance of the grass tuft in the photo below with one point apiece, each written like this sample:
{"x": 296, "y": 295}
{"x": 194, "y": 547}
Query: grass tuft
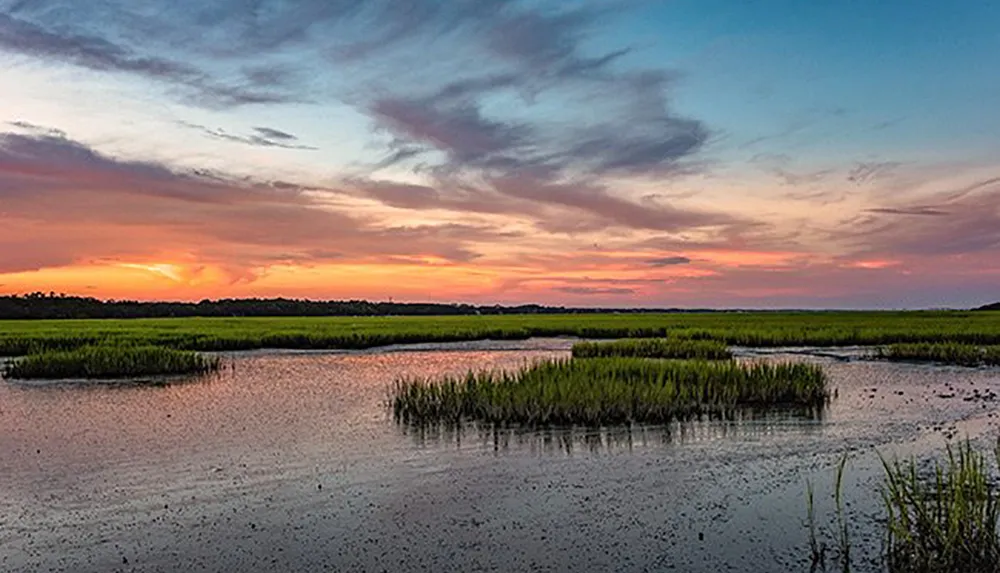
{"x": 606, "y": 391}
{"x": 944, "y": 522}
{"x": 945, "y": 353}
{"x": 654, "y": 348}
{"x": 109, "y": 362}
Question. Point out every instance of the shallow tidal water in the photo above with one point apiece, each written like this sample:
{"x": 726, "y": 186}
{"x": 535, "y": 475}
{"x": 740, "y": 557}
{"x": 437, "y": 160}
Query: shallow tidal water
{"x": 289, "y": 461}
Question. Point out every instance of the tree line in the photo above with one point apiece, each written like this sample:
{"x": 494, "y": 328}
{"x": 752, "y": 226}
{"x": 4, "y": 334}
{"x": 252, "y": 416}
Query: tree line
{"x": 40, "y": 305}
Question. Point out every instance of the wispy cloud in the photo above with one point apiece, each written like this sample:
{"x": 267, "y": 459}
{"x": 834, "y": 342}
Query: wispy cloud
{"x": 668, "y": 261}
{"x": 590, "y": 291}
{"x": 95, "y": 206}
{"x": 964, "y": 221}
{"x": 915, "y": 210}
{"x": 489, "y": 162}
{"x": 274, "y": 134}
{"x": 456, "y": 133}
{"x": 867, "y": 171}
{"x": 100, "y": 54}
{"x": 262, "y": 137}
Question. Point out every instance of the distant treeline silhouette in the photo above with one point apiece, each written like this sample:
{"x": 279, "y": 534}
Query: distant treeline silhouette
{"x": 41, "y": 306}
{"x": 994, "y": 306}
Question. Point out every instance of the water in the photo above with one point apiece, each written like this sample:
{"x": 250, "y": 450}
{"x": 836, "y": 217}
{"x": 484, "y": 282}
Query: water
{"x": 290, "y": 462}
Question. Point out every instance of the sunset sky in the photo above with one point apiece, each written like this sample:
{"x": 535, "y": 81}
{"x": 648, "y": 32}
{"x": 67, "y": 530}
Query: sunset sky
{"x": 638, "y": 153}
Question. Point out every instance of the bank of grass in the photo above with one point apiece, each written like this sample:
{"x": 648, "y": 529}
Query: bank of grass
{"x": 945, "y": 353}
{"x": 606, "y": 391}
{"x": 944, "y": 518}
{"x": 654, "y": 348}
{"x": 761, "y": 329}
{"x": 945, "y": 521}
{"x": 108, "y": 362}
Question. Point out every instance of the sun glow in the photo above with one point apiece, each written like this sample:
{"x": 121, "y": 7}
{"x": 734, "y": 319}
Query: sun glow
{"x": 172, "y": 272}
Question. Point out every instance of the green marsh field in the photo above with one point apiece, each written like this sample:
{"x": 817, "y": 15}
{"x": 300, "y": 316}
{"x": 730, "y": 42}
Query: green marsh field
{"x": 760, "y": 329}
{"x": 55, "y": 347}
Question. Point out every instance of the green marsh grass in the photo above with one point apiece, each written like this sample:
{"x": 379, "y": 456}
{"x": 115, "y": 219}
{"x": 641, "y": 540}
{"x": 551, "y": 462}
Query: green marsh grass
{"x": 606, "y": 391}
{"x": 761, "y": 329}
{"x": 109, "y": 362}
{"x": 946, "y": 521}
{"x": 946, "y": 353}
{"x": 817, "y": 548}
{"x": 654, "y": 348}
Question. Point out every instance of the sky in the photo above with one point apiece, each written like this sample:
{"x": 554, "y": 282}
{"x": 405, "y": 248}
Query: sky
{"x": 670, "y": 153}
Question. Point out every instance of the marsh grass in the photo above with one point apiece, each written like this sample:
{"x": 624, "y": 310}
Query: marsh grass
{"x": 605, "y": 391}
{"x": 654, "y": 348}
{"x": 757, "y": 329}
{"x": 945, "y": 353}
{"x": 943, "y": 522}
{"x": 107, "y": 362}
{"x": 817, "y": 548}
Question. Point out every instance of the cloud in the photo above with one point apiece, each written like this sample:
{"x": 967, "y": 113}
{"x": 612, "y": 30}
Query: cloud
{"x": 100, "y": 54}
{"x": 274, "y": 134}
{"x": 37, "y": 129}
{"x": 474, "y": 157}
{"x": 502, "y": 163}
{"x": 459, "y": 130}
{"x": 916, "y": 210}
{"x": 589, "y": 291}
{"x": 63, "y": 203}
{"x": 566, "y": 207}
{"x": 598, "y": 202}
{"x": 780, "y": 166}
{"x": 668, "y": 261}
{"x": 548, "y": 44}
{"x": 263, "y": 137}
{"x": 471, "y": 54}
{"x": 642, "y": 138}
{"x": 868, "y": 171}
{"x": 950, "y": 222}
{"x": 395, "y": 28}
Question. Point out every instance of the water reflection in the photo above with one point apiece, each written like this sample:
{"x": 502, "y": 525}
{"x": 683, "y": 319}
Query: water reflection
{"x": 743, "y": 424}
{"x": 291, "y": 462}
{"x": 99, "y": 384}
